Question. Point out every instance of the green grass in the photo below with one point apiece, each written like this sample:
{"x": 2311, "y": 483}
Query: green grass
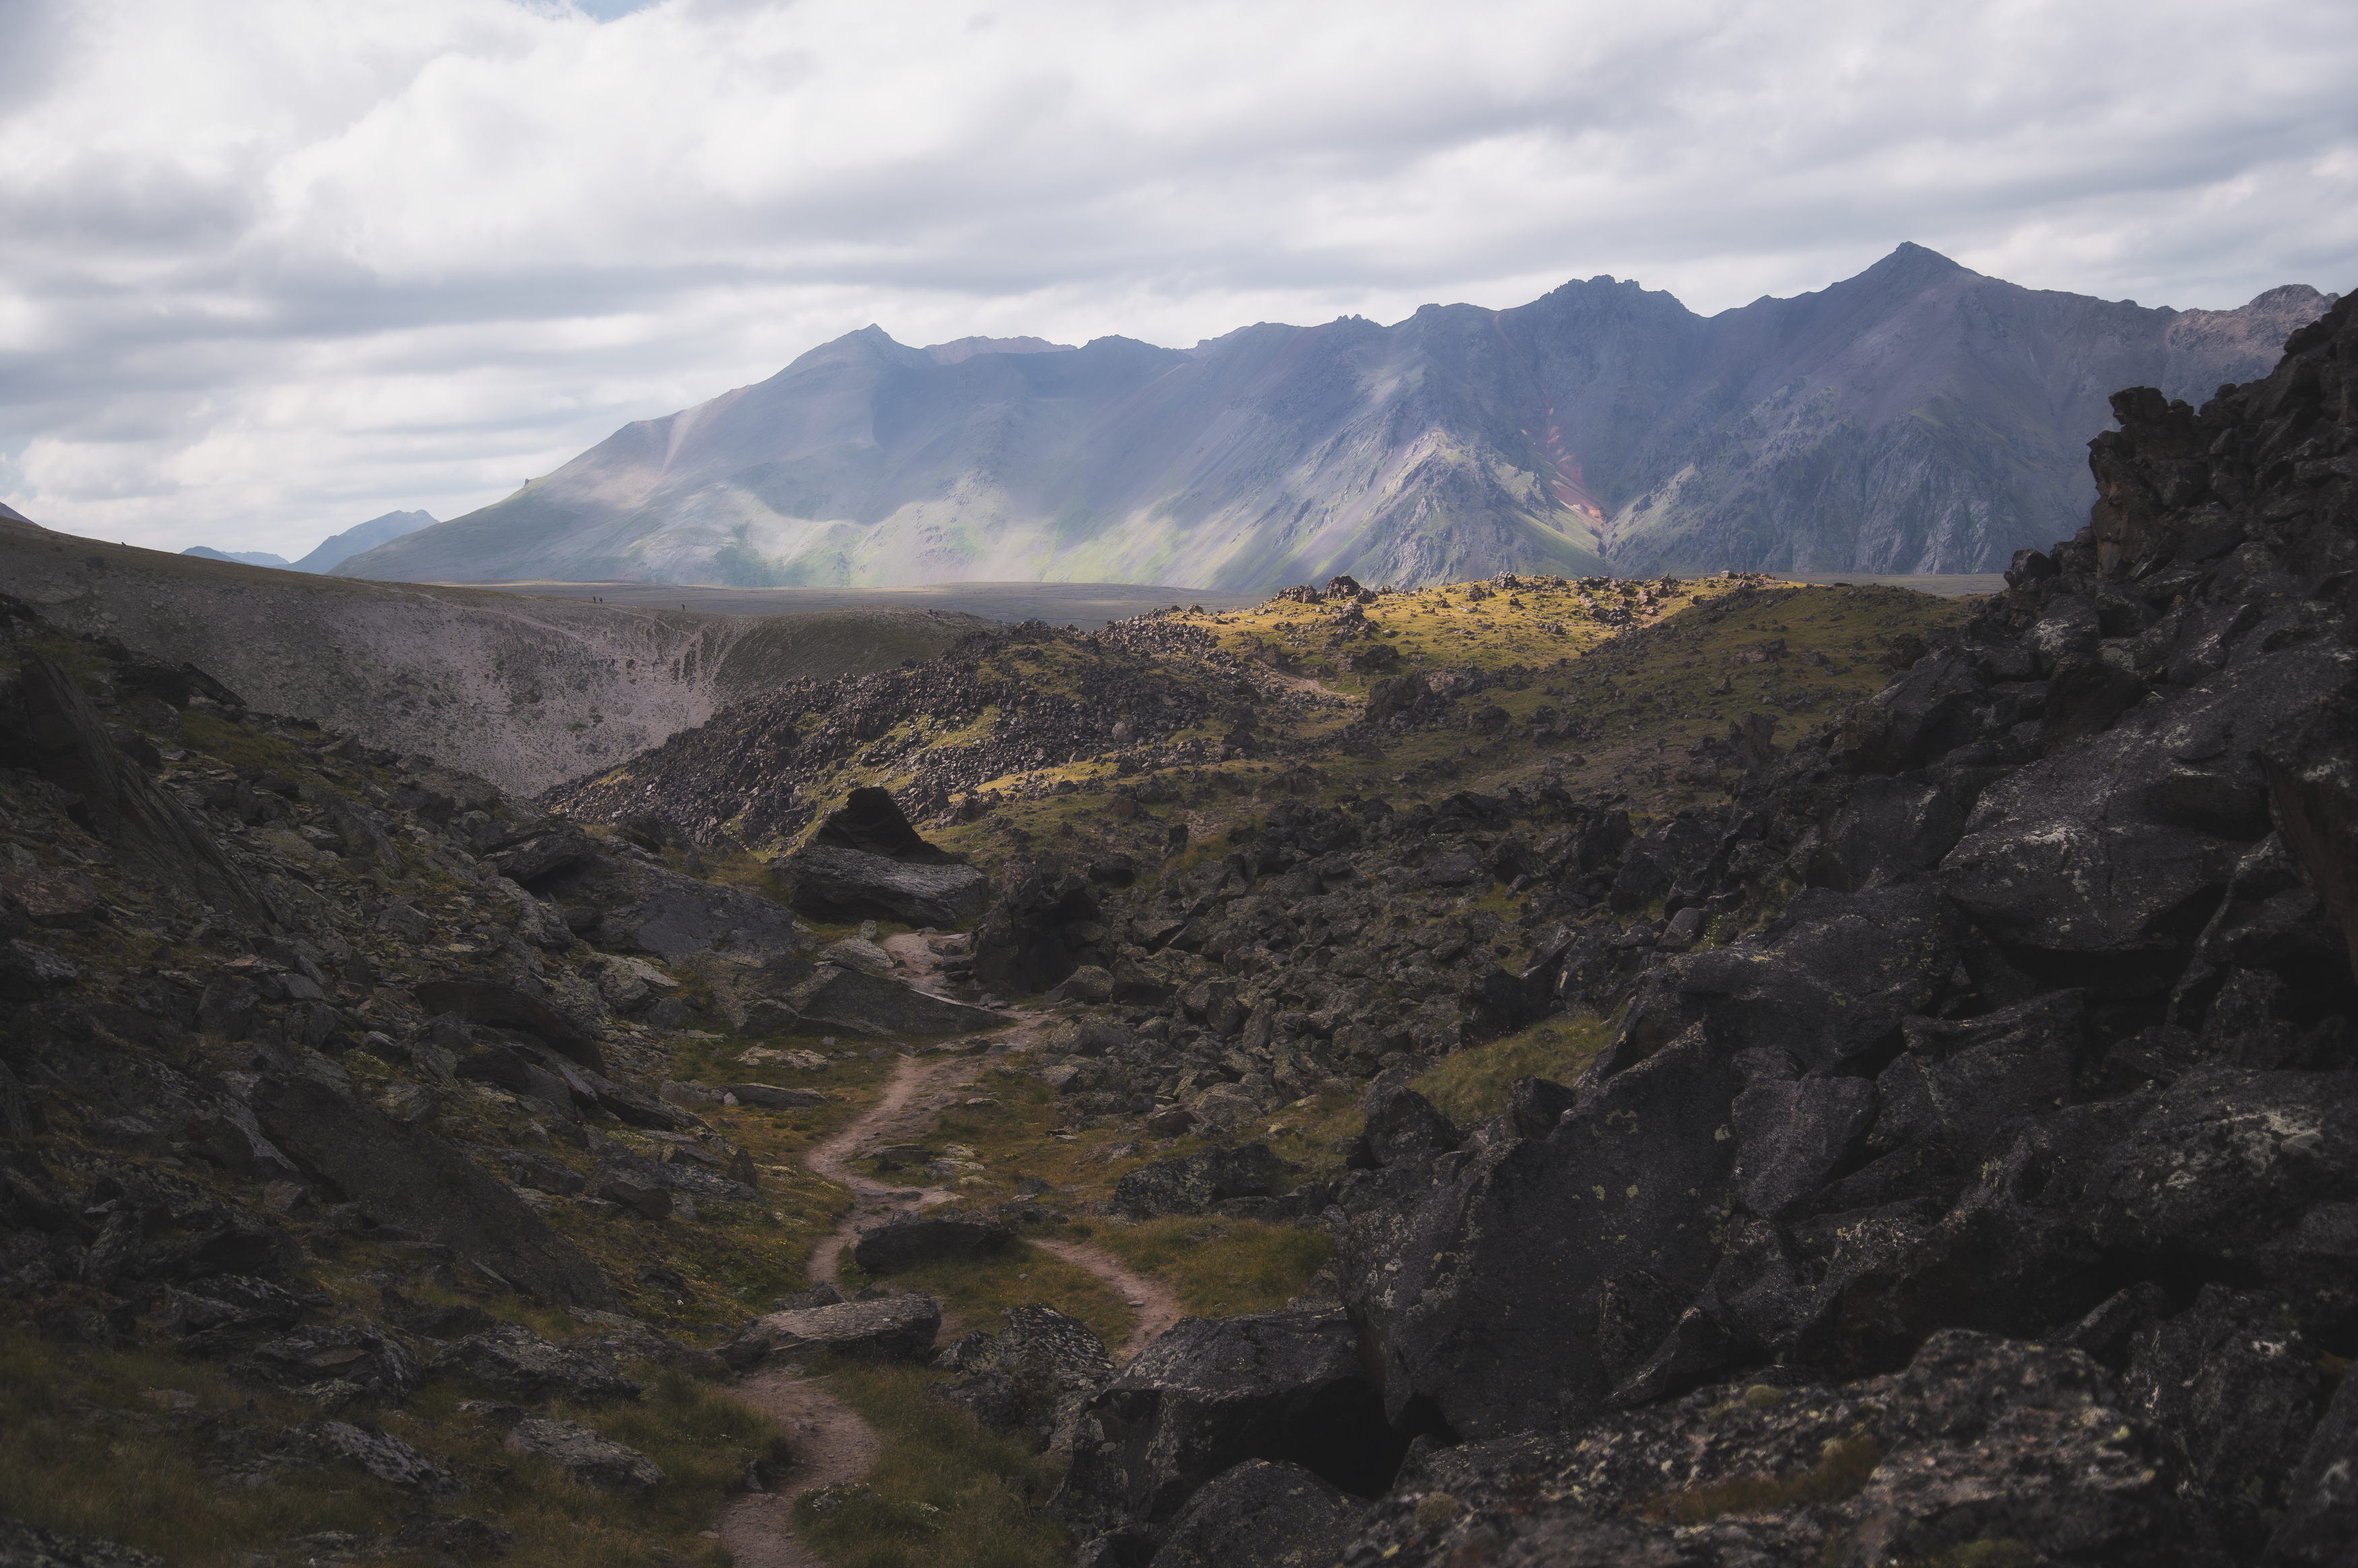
{"x": 946, "y": 1492}
{"x": 1221, "y": 1268}
{"x": 87, "y": 1448}
{"x": 979, "y": 1290}
{"x": 1471, "y": 1086}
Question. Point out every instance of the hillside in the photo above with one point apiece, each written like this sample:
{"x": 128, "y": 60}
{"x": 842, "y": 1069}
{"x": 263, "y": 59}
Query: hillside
{"x": 523, "y": 691}
{"x": 1529, "y": 1071}
{"x": 1919, "y": 418}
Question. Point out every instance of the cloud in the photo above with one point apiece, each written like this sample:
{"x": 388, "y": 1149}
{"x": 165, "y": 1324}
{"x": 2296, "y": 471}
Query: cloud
{"x": 269, "y": 269}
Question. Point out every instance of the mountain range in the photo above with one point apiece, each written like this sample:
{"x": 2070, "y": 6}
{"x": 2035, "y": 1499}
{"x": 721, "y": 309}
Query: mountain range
{"x": 331, "y": 552}
{"x": 1918, "y": 417}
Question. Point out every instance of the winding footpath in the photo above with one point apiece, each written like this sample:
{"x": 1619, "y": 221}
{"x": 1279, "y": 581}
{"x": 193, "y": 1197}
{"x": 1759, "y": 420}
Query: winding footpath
{"x": 831, "y": 1443}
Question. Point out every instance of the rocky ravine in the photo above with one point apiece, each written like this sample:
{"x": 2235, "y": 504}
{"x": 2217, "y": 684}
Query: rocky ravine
{"x": 521, "y": 691}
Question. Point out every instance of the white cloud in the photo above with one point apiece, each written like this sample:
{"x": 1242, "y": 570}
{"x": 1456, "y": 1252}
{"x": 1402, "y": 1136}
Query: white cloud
{"x": 272, "y": 267}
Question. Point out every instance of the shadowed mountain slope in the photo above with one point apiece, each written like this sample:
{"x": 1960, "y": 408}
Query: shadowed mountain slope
{"x": 1918, "y": 417}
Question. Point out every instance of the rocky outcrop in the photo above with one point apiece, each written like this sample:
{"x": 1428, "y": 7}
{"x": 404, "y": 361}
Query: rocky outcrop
{"x": 594, "y": 1461}
{"x": 412, "y": 1177}
{"x": 892, "y": 1328}
{"x": 865, "y": 862}
{"x": 907, "y": 1241}
{"x": 1285, "y": 1387}
{"x": 2020, "y": 1130}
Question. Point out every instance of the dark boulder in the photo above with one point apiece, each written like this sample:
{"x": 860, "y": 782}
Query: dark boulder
{"x": 517, "y": 1363}
{"x": 1033, "y": 937}
{"x": 1834, "y": 984}
{"x": 341, "y": 1356}
{"x": 1035, "y": 1374}
{"x": 1932, "y": 1463}
{"x": 1403, "y": 1125}
{"x": 1192, "y": 1183}
{"x": 114, "y": 799}
{"x": 2234, "y": 1389}
{"x": 1523, "y": 1284}
{"x": 866, "y": 862}
{"x": 2319, "y": 1528}
{"x": 907, "y": 1241}
{"x": 1260, "y": 1515}
{"x": 409, "y": 1176}
{"x": 1283, "y": 1387}
{"x": 846, "y": 884}
{"x": 504, "y": 1006}
{"x": 877, "y": 1005}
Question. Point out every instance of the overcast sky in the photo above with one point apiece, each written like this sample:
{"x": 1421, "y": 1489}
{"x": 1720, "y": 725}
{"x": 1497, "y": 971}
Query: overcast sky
{"x": 271, "y": 267}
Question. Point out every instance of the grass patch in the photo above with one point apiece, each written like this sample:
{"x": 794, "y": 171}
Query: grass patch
{"x": 1471, "y": 1086}
{"x": 978, "y": 1290}
{"x": 164, "y": 1453}
{"x": 1221, "y": 1268}
{"x": 235, "y": 745}
{"x": 945, "y": 1493}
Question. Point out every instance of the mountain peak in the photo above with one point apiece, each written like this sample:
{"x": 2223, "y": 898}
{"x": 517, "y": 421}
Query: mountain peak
{"x": 961, "y": 348}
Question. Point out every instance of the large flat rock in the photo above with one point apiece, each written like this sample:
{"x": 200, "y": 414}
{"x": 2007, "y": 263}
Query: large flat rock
{"x": 895, "y": 1329}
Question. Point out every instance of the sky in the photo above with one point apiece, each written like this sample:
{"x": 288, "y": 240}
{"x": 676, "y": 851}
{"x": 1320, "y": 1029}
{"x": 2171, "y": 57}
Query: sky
{"x": 269, "y": 268}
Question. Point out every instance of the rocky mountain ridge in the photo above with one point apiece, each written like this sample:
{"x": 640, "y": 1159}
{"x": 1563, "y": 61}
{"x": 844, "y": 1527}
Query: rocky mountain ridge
{"x": 1919, "y": 418}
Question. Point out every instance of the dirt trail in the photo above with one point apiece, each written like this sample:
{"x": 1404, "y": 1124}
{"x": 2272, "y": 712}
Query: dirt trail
{"x": 831, "y": 1443}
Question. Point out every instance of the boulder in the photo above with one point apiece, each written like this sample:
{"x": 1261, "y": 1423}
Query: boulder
{"x": 542, "y": 854}
{"x": 1287, "y": 1387}
{"x": 866, "y": 862}
{"x": 874, "y": 1005}
{"x": 28, "y": 1546}
{"x": 645, "y": 907}
{"x": 906, "y": 1240}
{"x": 1403, "y": 1125}
{"x": 1790, "y": 1135}
{"x": 378, "y": 1451}
{"x": 153, "y": 833}
{"x": 1261, "y": 1515}
{"x": 1032, "y": 937}
{"x": 1036, "y": 1373}
{"x": 847, "y": 884}
{"x": 891, "y": 1328}
{"x": 2234, "y": 1390}
{"x": 1192, "y": 1183}
{"x": 408, "y": 1175}
{"x": 1521, "y": 1281}
{"x": 852, "y": 953}
{"x": 770, "y": 1097}
{"x": 592, "y": 1460}
{"x": 1832, "y": 985}
{"x": 504, "y": 1006}
{"x": 355, "y": 1355}
{"x": 1927, "y": 1464}
{"x": 2320, "y": 1516}
{"x": 517, "y": 1363}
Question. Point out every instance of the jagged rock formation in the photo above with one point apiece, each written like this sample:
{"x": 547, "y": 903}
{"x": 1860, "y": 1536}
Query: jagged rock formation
{"x": 1992, "y": 1202}
{"x": 1918, "y": 417}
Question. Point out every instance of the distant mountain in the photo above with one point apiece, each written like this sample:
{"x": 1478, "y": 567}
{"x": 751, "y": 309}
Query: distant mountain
{"x": 967, "y": 348}
{"x": 14, "y": 518}
{"x": 1916, "y": 417}
{"x": 367, "y": 535}
{"x": 243, "y": 557}
{"x": 331, "y": 552}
